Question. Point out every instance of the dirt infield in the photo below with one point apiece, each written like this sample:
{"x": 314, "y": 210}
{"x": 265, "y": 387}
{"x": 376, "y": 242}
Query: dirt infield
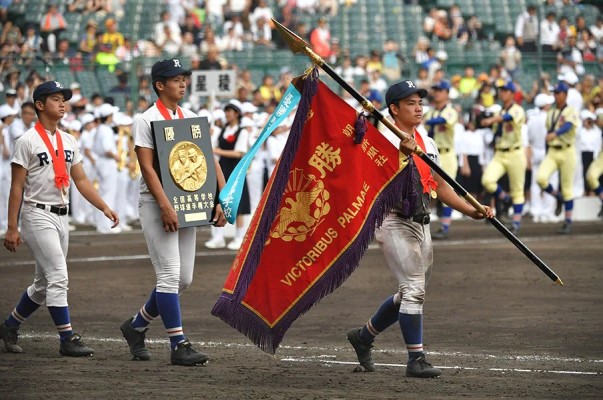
{"x": 497, "y": 325}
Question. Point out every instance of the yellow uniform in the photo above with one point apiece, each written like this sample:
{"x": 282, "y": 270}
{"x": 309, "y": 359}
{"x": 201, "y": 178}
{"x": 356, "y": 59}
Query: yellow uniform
{"x": 509, "y": 156}
{"x": 561, "y": 154}
{"x": 594, "y": 172}
{"x": 443, "y": 135}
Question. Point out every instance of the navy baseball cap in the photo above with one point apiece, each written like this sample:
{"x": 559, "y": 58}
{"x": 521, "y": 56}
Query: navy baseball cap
{"x": 561, "y": 87}
{"x": 401, "y": 90}
{"x": 51, "y": 87}
{"x": 442, "y": 85}
{"x": 168, "y": 69}
{"x": 508, "y": 85}
{"x": 374, "y": 95}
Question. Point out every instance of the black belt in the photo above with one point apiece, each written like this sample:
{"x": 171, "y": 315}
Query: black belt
{"x": 59, "y": 210}
{"x": 423, "y": 219}
{"x": 442, "y": 151}
{"x": 509, "y": 149}
{"x": 560, "y": 146}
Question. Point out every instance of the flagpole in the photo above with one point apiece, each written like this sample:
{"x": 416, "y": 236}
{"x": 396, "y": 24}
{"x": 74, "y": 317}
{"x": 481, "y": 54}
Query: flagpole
{"x": 298, "y": 45}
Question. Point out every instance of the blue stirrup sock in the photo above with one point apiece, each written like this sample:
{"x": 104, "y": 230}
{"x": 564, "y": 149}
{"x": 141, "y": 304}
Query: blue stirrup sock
{"x": 386, "y": 316}
{"x": 147, "y": 313}
{"x": 21, "y": 312}
{"x": 517, "y": 210}
{"x": 412, "y": 331}
{"x": 446, "y": 218}
{"x": 60, "y": 317}
{"x": 168, "y": 305}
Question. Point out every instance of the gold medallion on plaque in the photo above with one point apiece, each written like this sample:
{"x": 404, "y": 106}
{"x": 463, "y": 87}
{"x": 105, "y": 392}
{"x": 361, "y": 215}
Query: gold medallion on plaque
{"x": 188, "y": 166}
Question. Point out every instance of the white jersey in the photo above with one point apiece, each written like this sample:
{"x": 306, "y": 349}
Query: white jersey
{"x": 430, "y": 147}
{"x": 143, "y": 136}
{"x": 104, "y": 141}
{"x": 31, "y": 153}
{"x": 536, "y": 125}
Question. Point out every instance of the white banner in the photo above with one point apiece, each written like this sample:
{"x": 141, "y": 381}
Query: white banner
{"x": 221, "y": 82}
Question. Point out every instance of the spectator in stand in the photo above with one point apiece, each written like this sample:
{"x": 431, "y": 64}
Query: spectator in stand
{"x": 262, "y": 10}
{"x": 441, "y": 29}
{"x": 423, "y": 80}
{"x": 160, "y": 28}
{"x": 429, "y": 22}
{"x": 374, "y": 62}
{"x": 392, "y": 61}
{"x": 510, "y": 58}
{"x": 261, "y": 33}
{"x": 231, "y": 41}
{"x": 580, "y": 25}
{"x": 419, "y": 52}
{"x": 214, "y": 13}
{"x": 475, "y": 31}
{"x": 455, "y": 84}
{"x": 549, "y": 33}
{"x": 468, "y": 82}
{"x": 376, "y": 82}
{"x": 122, "y": 85}
{"x": 526, "y": 29}
{"x": 192, "y": 25}
{"x": 569, "y": 58}
{"x": 235, "y": 23}
{"x": 320, "y": 38}
{"x": 12, "y": 101}
{"x": 268, "y": 90}
{"x": 112, "y": 35}
{"x": 246, "y": 81}
{"x": 211, "y": 62}
{"x": 564, "y": 32}
{"x": 170, "y": 41}
{"x": 64, "y": 53}
{"x": 587, "y": 46}
{"x": 32, "y": 38}
{"x": 209, "y": 40}
{"x": 307, "y": 6}
{"x": 285, "y": 78}
{"x": 456, "y": 20}
{"x": 127, "y": 52}
{"x": 106, "y": 58}
{"x": 11, "y": 34}
{"x": 597, "y": 29}
{"x": 88, "y": 39}
{"x": 52, "y": 24}
{"x": 12, "y": 78}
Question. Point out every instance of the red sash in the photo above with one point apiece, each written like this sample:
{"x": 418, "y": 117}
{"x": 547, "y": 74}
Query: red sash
{"x": 429, "y": 184}
{"x": 164, "y": 111}
{"x": 61, "y": 177}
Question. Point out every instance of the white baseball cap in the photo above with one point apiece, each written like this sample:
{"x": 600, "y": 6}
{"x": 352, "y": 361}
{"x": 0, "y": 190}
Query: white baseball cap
{"x": 542, "y": 100}
{"x": 7, "y": 111}
{"x": 86, "y": 118}
{"x": 587, "y": 114}
{"x": 248, "y": 107}
{"x": 104, "y": 110}
{"x": 568, "y": 77}
{"x": 121, "y": 119}
{"x": 75, "y": 125}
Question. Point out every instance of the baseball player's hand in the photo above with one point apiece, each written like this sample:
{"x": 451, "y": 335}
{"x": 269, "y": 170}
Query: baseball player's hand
{"x": 169, "y": 218}
{"x": 12, "y": 240}
{"x": 476, "y": 214}
{"x": 219, "y": 218}
{"x": 407, "y": 145}
{"x": 466, "y": 170}
{"x": 550, "y": 136}
{"x": 112, "y": 215}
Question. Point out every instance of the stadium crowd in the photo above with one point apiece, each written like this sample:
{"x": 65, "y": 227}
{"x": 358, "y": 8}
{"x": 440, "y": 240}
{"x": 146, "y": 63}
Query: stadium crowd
{"x": 203, "y": 31}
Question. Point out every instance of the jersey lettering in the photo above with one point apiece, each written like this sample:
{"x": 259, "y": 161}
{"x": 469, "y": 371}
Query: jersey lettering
{"x": 43, "y": 157}
{"x": 68, "y": 156}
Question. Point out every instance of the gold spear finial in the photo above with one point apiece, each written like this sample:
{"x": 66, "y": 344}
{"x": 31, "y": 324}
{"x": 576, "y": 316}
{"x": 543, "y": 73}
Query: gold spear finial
{"x": 296, "y": 44}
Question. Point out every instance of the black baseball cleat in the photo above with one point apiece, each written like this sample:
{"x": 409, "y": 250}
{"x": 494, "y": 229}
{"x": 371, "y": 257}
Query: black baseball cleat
{"x": 440, "y": 235}
{"x": 74, "y": 347}
{"x": 184, "y": 354}
{"x": 559, "y": 205}
{"x": 10, "y": 337}
{"x": 566, "y": 229}
{"x": 135, "y": 341}
{"x": 363, "y": 351}
{"x": 420, "y": 368}
{"x": 600, "y": 215}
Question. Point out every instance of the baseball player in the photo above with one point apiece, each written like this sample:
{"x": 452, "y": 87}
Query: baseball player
{"x": 542, "y": 206}
{"x": 105, "y": 149}
{"x": 509, "y": 154}
{"x": 440, "y": 124}
{"x": 595, "y": 170}
{"x": 7, "y": 116}
{"x": 561, "y": 123}
{"x": 406, "y": 241}
{"x": 171, "y": 249}
{"x": 43, "y": 161}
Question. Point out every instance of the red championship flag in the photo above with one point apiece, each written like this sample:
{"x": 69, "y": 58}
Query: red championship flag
{"x": 332, "y": 186}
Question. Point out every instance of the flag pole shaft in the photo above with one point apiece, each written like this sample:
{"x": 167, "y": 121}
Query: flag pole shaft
{"x": 298, "y": 45}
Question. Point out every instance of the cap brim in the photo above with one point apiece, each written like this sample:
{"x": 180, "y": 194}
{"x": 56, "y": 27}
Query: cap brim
{"x": 175, "y": 72}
